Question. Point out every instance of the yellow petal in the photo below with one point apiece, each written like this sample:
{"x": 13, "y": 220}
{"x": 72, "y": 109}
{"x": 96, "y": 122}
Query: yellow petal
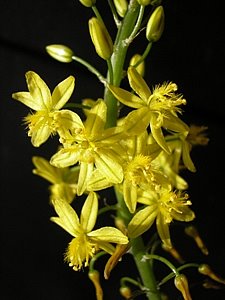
{"x": 142, "y": 221}
{"x": 68, "y": 123}
{"x": 108, "y": 234}
{"x": 163, "y": 230}
{"x": 39, "y": 90}
{"x": 138, "y": 84}
{"x": 89, "y": 212}
{"x": 68, "y": 218}
{"x": 187, "y": 158}
{"x": 107, "y": 165}
{"x": 158, "y": 135}
{"x": 130, "y": 195}
{"x": 96, "y": 118}
{"x": 175, "y": 124}
{"x": 45, "y": 169}
{"x": 98, "y": 181}
{"x": 137, "y": 121}
{"x": 40, "y": 132}
{"x": 65, "y": 157}
{"x": 126, "y": 97}
{"x": 27, "y": 99}
{"x": 86, "y": 170}
{"x": 63, "y": 92}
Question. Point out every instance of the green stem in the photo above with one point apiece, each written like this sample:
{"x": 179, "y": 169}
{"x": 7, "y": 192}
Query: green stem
{"x": 129, "y": 26}
{"x": 144, "y": 55}
{"x": 118, "y": 59}
{"x": 137, "y": 25}
{"x": 90, "y": 68}
{"x": 97, "y": 14}
{"x": 114, "y": 13}
{"x": 145, "y": 269}
{"x": 138, "y": 250}
{"x": 171, "y": 275}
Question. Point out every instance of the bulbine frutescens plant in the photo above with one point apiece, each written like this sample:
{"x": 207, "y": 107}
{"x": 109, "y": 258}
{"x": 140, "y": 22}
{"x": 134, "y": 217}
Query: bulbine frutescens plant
{"x": 132, "y": 141}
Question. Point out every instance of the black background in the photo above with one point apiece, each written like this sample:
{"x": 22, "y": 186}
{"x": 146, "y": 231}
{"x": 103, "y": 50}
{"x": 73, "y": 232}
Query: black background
{"x": 190, "y": 53}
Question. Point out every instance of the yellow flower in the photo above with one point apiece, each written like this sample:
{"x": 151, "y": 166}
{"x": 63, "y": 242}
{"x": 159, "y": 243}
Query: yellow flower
{"x": 162, "y": 206}
{"x": 41, "y": 123}
{"x": 140, "y": 172}
{"x": 64, "y": 180}
{"x": 165, "y": 163}
{"x": 89, "y": 144}
{"x": 159, "y": 106}
{"x": 86, "y": 242}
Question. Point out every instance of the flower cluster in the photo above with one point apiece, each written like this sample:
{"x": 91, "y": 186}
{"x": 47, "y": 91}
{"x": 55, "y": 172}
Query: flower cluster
{"x": 138, "y": 151}
{"x": 135, "y": 156}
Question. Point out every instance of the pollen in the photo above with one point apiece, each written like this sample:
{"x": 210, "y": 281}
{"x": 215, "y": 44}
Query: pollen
{"x": 79, "y": 252}
{"x": 138, "y": 168}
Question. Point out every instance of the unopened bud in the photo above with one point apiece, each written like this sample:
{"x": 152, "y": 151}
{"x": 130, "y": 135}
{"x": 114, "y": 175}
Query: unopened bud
{"x": 206, "y": 270}
{"x": 60, "y": 52}
{"x": 210, "y": 284}
{"x": 125, "y": 291}
{"x": 192, "y": 232}
{"x": 114, "y": 258}
{"x": 88, "y": 3}
{"x": 100, "y": 38}
{"x": 141, "y": 66}
{"x": 94, "y": 277}
{"x": 144, "y": 2}
{"x": 155, "y": 25}
{"x": 181, "y": 284}
{"x": 121, "y": 7}
{"x": 172, "y": 251}
{"x": 119, "y": 222}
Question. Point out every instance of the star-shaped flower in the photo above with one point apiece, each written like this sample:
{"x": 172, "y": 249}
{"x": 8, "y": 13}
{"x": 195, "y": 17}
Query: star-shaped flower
{"x": 160, "y": 106}
{"x": 41, "y": 122}
{"x": 86, "y": 242}
{"x": 162, "y": 206}
{"x": 89, "y": 144}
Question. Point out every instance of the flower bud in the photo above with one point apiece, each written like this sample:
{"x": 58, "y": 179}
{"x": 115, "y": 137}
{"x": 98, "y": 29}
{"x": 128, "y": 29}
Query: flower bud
{"x": 172, "y": 251}
{"x": 121, "y": 7}
{"x": 60, "y": 52}
{"x": 114, "y": 258}
{"x": 140, "y": 67}
{"x": 192, "y": 232}
{"x": 88, "y": 3}
{"x": 144, "y": 2}
{"x": 100, "y": 38}
{"x": 206, "y": 270}
{"x": 125, "y": 291}
{"x": 181, "y": 284}
{"x": 155, "y": 25}
{"x": 94, "y": 277}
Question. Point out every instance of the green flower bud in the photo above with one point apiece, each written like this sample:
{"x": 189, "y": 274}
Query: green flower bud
{"x": 121, "y": 7}
{"x": 141, "y": 67}
{"x": 60, "y": 52}
{"x": 100, "y": 38}
{"x": 144, "y": 2}
{"x": 155, "y": 24}
{"x": 88, "y": 3}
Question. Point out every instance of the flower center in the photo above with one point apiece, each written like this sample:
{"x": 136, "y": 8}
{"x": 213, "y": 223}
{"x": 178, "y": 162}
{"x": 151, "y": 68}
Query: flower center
{"x": 80, "y": 251}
